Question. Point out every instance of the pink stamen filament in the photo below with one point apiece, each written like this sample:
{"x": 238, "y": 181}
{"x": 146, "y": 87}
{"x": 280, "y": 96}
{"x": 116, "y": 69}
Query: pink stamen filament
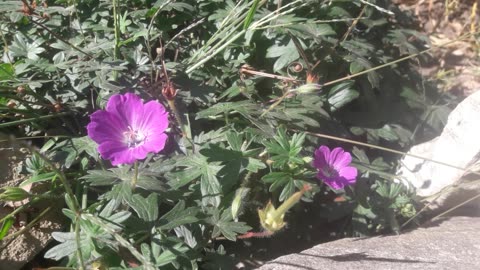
{"x": 133, "y": 138}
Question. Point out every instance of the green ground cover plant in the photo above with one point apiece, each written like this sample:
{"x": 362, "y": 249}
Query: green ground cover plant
{"x": 248, "y": 90}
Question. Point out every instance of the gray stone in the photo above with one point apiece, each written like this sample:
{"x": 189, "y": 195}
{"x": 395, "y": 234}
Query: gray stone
{"x": 458, "y": 145}
{"x": 450, "y": 243}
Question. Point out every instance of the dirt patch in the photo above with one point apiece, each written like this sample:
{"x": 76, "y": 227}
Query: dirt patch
{"x": 16, "y": 252}
{"x": 455, "y": 67}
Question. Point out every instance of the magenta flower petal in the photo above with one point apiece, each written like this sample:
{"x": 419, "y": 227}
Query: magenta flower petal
{"x": 349, "y": 174}
{"x": 333, "y": 167}
{"x": 128, "y": 129}
{"x": 128, "y": 108}
{"x": 333, "y": 183}
{"x": 104, "y": 126}
{"x": 155, "y": 144}
{"x": 340, "y": 158}
{"x": 322, "y": 156}
{"x": 115, "y": 151}
{"x": 155, "y": 118}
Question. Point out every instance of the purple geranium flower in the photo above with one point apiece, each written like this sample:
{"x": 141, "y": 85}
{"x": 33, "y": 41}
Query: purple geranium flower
{"x": 127, "y": 130}
{"x": 333, "y": 167}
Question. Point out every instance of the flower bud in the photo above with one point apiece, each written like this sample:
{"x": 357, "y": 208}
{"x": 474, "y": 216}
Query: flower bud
{"x": 169, "y": 92}
{"x": 21, "y": 90}
{"x": 312, "y": 78}
{"x": 307, "y": 88}
{"x": 237, "y": 201}
{"x": 11, "y": 104}
{"x": 271, "y": 219}
{"x": 14, "y": 194}
{"x": 408, "y": 210}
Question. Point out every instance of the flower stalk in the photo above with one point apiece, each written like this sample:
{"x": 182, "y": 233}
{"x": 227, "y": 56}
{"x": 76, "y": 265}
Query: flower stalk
{"x": 135, "y": 175}
{"x": 271, "y": 219}
{"x": 170, "y": 93}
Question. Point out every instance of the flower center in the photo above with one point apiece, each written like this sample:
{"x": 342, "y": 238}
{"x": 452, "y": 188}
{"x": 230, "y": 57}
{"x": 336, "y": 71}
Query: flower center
{"x": 134, "y": 138}
{"x": 329, "y": 172}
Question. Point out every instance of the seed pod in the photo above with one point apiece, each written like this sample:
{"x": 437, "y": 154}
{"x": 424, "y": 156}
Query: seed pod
{"x": 21, "y": 90}
{"x": 11, "y": 104}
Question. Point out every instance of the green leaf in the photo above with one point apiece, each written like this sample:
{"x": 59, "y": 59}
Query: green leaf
{"x": 68, "y": 246}
{"x": 224, "y": 225}
{"x": 284, "y": 151}
{"x": 225, "y": 107}
{"x": 341, "y": 94}
{"x": 100, "y": 177}
{"x": 198, "y": 166}
{"x": 287, "y": 191}
{"x": 286, "y": 54}
{"x": 85, "y": 144}
{"x": 7, "y": 72}
{"x": 240, "y": 194}
{"x": 276, "y": 176}
{"x": 360, "y": 155}
{"x": 311, "y": 30}
{"x": 6, "y": 225}
{"x": 20, "y": 47}
{"x": 250, "y": 14}
{"x": 210, "y": 187}
{"x": 170, "y": 254}
{"x": 50, "y": 176}
{"x": 179, "y": 215}
{"x": 146, "y": 208}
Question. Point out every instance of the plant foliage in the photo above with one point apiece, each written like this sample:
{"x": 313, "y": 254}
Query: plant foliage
{"x": 253, "y": 85}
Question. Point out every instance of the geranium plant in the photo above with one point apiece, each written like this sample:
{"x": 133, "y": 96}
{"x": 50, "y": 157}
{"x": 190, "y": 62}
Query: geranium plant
{"x": 169, "y": 128}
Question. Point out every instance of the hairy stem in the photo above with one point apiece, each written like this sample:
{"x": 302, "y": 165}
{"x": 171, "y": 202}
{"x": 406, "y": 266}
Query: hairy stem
{"x": 135, "y": 175}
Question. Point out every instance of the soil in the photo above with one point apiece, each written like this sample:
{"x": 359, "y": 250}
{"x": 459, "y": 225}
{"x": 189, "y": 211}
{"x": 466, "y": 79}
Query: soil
{"x": 18, "y": 251}
{"x": 456, "y": 67}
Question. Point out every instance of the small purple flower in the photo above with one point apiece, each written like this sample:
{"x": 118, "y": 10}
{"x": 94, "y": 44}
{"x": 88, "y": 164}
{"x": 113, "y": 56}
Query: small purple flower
{"x": 127, "y": 130}
{"x": 333, "y": 167}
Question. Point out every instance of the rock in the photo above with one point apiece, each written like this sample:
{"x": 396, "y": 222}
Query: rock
{"x": 458, "y": 145}
{"x": 450, "y": 243}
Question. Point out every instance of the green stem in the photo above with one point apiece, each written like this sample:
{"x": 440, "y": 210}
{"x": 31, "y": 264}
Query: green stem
{"x": 208, "y": 57}
{"x": 77, "y": 241}
{"x": 33, "y": 119}
{"x": 135, "y": 175}
{"x": 276, "y": 103}
{"x": 185, "y": 130}
{"x": 61, "y": 176}
{"x": 286, "y": 205}
{"x": 117, "y": 36}
{"x": 39, "y": 137}
{"x": 147, "y": 265}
